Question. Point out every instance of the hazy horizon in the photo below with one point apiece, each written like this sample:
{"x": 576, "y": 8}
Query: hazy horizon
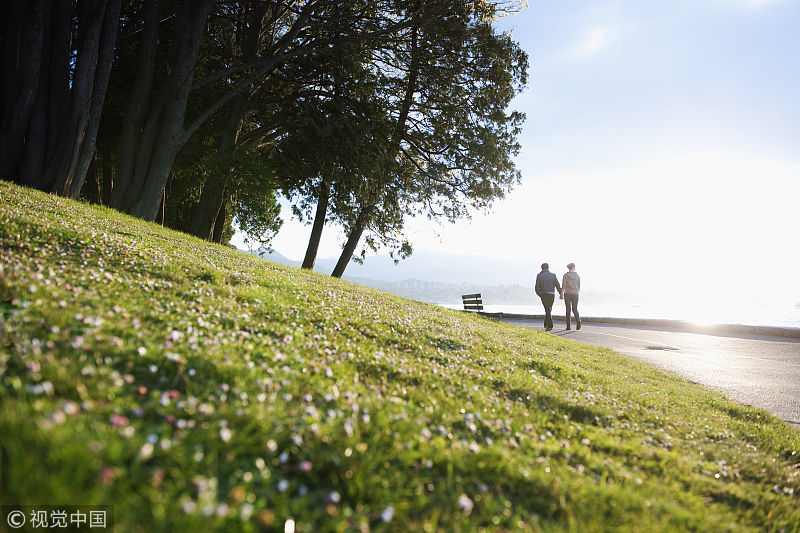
{"x": 452, "y": 275}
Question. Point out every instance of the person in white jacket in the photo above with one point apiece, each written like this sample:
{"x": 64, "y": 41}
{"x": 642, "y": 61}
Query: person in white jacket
{"x": 571, "y": 283}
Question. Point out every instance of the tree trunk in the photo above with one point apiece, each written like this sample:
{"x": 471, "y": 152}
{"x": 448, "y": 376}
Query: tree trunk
{"x": 212, "y": 197}
{"x": 352, "y": 240}
{"x": 319, "y": 222}
{"x": 162, "y": 208}
{"x": 101, "y": 73}
{"x": 22, "y": 58}
{"x": 154, "y": 148}
{"x": 92, "y": 183}
{"x": 207, "y": 210}
{"x": 136, "y": 111}
{"x": 61, "y": 167}
{"x": 58, "y": 92}
{"x": 219, "y": 223}
{"x": 49, "y": 112}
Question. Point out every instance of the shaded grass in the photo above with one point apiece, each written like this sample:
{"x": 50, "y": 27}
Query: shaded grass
{"x": 197, "y": 388}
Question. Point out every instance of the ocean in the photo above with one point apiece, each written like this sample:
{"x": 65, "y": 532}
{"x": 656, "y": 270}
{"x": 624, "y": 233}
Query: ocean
{"x": 700, "y": 312}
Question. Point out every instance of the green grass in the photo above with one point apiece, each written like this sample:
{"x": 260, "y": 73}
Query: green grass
{"x": 197, "y": 388}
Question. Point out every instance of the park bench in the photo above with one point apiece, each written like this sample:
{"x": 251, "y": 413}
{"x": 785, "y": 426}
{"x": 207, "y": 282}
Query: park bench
{"x": 472, "y": 302}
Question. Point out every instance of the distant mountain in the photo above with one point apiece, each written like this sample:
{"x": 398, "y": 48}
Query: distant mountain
{"x": 275, "y": 257}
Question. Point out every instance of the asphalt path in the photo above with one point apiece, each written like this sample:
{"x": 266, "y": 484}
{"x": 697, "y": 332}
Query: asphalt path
{"x": 761, "y": 371}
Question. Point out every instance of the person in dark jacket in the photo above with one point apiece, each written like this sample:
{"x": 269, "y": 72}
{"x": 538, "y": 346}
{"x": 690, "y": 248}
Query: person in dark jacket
{"x": 546, "y": 286}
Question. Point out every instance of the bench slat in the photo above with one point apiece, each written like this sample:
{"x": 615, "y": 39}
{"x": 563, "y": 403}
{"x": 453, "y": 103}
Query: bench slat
{"x": 472, "y": 302}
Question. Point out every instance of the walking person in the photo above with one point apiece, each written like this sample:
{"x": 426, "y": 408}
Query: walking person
{"x": 572, "y": 286}
{"x": 546, "y": 285}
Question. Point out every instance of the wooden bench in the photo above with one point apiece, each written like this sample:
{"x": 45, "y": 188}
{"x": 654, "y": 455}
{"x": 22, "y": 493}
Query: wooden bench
{"x": 472, "y": 302}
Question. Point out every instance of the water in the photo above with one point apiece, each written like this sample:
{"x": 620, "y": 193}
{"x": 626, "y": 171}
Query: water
{"x": 699, "y": 312}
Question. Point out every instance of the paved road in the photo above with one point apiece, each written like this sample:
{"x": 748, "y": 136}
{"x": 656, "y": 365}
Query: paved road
{"x": 754, "y": 370}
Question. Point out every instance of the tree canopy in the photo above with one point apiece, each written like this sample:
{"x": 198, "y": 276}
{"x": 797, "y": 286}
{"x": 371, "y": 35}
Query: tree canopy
{"x": 199, "y": 113}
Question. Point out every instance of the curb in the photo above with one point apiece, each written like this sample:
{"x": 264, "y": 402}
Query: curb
{"x": 790, "y": 333}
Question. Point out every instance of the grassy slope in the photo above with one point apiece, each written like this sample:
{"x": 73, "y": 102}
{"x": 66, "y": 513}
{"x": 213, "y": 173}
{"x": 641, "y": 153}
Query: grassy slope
{"x": 198, "y": 388}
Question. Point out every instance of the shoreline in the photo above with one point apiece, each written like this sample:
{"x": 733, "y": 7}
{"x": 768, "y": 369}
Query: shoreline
{"x": 769, "y": 317}
{"x": 680, "y": 325}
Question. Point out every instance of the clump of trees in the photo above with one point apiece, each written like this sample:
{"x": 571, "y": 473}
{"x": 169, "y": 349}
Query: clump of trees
{"x": 196, "y": 113}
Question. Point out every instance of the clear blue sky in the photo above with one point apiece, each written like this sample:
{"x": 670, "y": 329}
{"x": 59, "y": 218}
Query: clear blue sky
{"x": 661, "y": 151}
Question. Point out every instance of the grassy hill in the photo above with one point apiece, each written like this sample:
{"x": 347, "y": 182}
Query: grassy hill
{"x": 197, "y": 388}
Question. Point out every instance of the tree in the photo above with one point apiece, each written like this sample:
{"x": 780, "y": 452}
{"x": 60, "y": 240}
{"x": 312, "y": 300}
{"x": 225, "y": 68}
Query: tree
{"x": 56, "y": 60}
{"x": 245, "y": 38}
{"x": 153, "y": 129}
{"x": 207, "y": 160}
{"x": 330, "y": 143}
{"x": 161, "y": 119}
{"x": 252, "y": 200}
{"x": 358, "y": 93}
{"x": 449, "y": 80}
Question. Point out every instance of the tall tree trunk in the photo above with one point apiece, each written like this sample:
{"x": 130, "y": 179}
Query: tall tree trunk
{"x": 154, "y": 148}
{"x": 212, "y": 197}
{"x": 22, "y": 58}
{"x": 10, "y": 60}
{"x": 57, "y": 107}
{"x": 352, "y": 240}
{"x": 61, "y": 168}
{"x": 50, "y": 110}
{"x": 135, "y": 114}
{"x": 319, "y": 222}
{"x": 102, "y": 71}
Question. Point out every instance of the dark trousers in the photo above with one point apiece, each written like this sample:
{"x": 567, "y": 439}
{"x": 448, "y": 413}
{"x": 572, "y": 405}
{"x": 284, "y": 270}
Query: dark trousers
{"x": 547, "y": 302}
{"x": 571, "y": 301}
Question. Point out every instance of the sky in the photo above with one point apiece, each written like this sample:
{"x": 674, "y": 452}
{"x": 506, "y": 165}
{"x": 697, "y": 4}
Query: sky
{"x": 661, "y": 152}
